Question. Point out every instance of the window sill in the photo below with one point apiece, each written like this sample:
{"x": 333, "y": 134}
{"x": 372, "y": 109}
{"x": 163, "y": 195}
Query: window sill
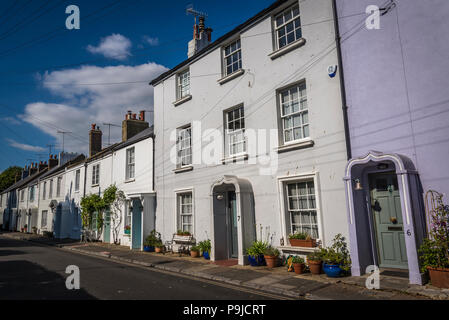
{"x": 235, "y": 158}
{"x": 183, "y": 169}
{"x": 231, "y": 76}
{"x": 130, "y": 180}
{"x": 182, "y": 100}
{"x": 292, "y": 46}
{"x": 298, "y": 145}
{"x": 297, "y": 249}
{"x": 95, "y": 185}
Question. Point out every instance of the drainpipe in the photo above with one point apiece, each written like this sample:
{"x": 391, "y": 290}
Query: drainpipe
{"x": 342, "y": 81}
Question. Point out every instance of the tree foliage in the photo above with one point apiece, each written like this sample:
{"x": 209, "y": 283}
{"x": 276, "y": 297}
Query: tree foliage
{"x": 8, "y": 177}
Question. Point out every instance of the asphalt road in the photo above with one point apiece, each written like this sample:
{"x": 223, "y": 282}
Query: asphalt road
{"x": 31, "y": 271}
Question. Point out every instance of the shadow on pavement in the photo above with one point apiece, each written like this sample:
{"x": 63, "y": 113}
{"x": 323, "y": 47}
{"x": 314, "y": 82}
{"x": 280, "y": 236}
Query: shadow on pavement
{"x": 25, "y": 280}
{"x": 4, "y": 253}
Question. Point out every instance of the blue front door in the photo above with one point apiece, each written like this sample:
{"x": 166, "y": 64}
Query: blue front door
{"x": 136, "y": 228}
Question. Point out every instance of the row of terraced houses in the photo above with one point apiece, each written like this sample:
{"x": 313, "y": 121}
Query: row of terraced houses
{"x": 300, "y": 119}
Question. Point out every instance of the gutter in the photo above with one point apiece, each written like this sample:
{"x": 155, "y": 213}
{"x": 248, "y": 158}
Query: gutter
{"x": 342, "y": 82}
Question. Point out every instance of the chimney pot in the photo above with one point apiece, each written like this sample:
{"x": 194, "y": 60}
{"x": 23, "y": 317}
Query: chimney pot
{"x": 93, "y": 126}
{"x": 142, "y": 115}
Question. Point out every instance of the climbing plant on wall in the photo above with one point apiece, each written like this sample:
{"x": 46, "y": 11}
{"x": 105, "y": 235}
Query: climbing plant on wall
{"x": 115, "y": 200}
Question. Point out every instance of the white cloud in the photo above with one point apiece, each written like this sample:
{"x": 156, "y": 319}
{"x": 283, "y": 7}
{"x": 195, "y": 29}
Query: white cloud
{"x": 25, "y": 147}
{"x": 11, "y": 120}
{"x": 151, "y": 41}
{"x": 114, "y": 46}
{"x": 87, "y": 100}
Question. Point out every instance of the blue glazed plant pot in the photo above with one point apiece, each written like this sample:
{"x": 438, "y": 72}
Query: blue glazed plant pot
{"x": 148, "y": 248}
{"x": 206, "y": 255}
{"x": 332, "y": 270}
{"x": 256, "y": 261}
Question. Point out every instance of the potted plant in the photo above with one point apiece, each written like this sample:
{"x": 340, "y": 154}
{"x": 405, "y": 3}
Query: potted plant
{"x": 152, "y": 240}
{"x": 298, "y": 264}
{"x": 271, "y": 255}
{"x": 128, "y": 229}
{"x": 314, "y": 262}
{"x": 25, "y": 227}
{"x": 205, "y": 247}
{"x": 336, "y": 260}
{"x": 34, "y": 230}
{"x": 301, "y": 239}
{"x": 182, "y": 233}
{"x": 255, "y": 253}
{"x": 158, "y": 246}
{"x": 195, "y": 251}
{"x": 434, "y": 252}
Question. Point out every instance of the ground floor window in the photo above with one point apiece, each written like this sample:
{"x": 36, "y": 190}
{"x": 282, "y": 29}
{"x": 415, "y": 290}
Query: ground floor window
{"x": 128, "y": 214}
{"x": 44, "y": 219}
{"x": 185, "y": 211}
{"x": 301, "y": 206}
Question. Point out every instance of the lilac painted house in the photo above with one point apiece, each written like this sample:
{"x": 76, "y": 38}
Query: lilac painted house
{"x": 396, "y": 80}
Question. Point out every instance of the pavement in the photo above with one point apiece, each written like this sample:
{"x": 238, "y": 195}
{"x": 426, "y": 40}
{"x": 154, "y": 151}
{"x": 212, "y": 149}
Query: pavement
{"x": 275, "y": 281}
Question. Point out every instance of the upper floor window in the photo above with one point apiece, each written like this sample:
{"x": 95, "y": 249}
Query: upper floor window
{"x": 44, "y": 190}
{"x": 96, "y": 174}
{"x": 77, "y": 180}
{"x": 287, "y": 26}
{"x": 235, "y": 133}
{"x": 294, "y": 113}
{"x": 22, "y": 195}
{"x": 183, "y": 84}
{"x": 50, "y": 192}
{"x": 44, "y": 218}
{"x": 58, "y": 186}
{"x": 184, "y": 143}
{"x": 31, "y": 190}
{"x": 232, "y": 58}
{"x": 130, "y": 163}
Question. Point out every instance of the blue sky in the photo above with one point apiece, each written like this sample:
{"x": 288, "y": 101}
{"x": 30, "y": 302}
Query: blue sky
{"x": 52, "y": 78}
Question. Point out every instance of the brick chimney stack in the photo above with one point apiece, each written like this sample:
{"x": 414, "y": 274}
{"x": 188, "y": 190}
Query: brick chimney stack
{"x": 25, "y": 172}
{"x": 132, "y": 126}
{"x": 202, "y": 37}
{"x": 33, "y": 169}
{"x": 42, "y": 165}
{"x": 95, "y": 140}
{"x": 52, "y": 162}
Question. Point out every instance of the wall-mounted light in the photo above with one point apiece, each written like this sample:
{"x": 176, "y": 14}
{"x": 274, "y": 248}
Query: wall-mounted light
{"x": 219, "y": 197}
{"x": 358, "y": 185}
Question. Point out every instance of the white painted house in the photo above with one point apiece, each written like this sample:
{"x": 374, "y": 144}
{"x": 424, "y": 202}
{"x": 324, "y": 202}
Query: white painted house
{"x": 214, "y": 176}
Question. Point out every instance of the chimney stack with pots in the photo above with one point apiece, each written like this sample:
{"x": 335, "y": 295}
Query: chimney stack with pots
{"x": 42, "y": 165}
{"x": 33, "y": 169}
{"x": 95, "y": 139}
{"x": 52, "y": 162}
{"x": 202, "y": 37}
{"x": 132, "y": 126}
{"x": 25, "y": 172}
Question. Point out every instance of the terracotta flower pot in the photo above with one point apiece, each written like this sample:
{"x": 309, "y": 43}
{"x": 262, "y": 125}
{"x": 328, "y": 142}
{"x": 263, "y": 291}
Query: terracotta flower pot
{"x": 314, "y": 266}
{"x": 158, "y": 249}
{"x": 310, "y": 243}
{"x": 194, "y": 254}
{"x": 439, "y": 277}
{"x": 299, "y": 267}
{"x": 271, "y": 261}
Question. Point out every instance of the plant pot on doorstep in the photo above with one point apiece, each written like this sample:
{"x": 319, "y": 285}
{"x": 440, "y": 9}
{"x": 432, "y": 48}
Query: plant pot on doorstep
{"x": 206, "y": 255}
{"x": 299, "y": 267}
{"x": 314, "y": 266}
{"x": 194, "y": 254}
{"x": 148, "y": 248}
{"x": 332, "y": 270}
{"x": 439, "y": 277}
{"x": 257, "y": 261}
{"x": 159, "y": 249}
{"x": 271, "y": 261}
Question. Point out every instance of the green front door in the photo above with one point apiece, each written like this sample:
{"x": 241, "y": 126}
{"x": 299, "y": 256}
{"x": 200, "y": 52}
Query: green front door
{"x": 388, "y": 224}
{"x": 107, "y": 227}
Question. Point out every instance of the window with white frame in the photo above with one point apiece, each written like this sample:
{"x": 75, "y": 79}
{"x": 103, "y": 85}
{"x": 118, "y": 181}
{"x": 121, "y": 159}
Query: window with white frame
{"x": 58, "y": 186}
{"x": 22, "y": 195}
{"x": 44, "y": 190}
{"x": 287, "y": 26}
{"x": 50, "y": 192}
{"x": 128, "y": 216}
{"x": 31, "y": 190}
{"x": 235, "y": 131}
{"x": 130, "y": 163}
{"x": 96, "y": 174}
{"x": 294, "y": 113}
{"x": 44, "y": 218}
{"x": 232, "y": 57}
{"x": 183, "y": 84}
{"x": 184, "y": 143}
{"x": 302, "y": 209}
{"x": 77, "y": 179}
{"x": 185, "y": 211}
